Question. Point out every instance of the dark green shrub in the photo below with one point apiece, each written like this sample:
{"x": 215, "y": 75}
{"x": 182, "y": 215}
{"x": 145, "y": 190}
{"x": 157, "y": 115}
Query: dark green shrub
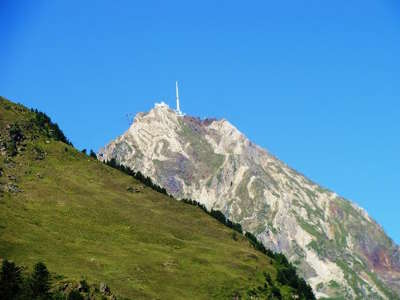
{"x": 75, "y": 295}
{"x": 84, "y": 287}
{"x": 234, "y": 236}
{"x": 276, "y": 292}
{"x": 16, "y": 136}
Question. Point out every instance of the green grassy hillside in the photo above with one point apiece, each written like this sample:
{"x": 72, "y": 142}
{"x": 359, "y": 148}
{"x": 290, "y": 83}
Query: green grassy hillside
{"x": 85, "y": 219}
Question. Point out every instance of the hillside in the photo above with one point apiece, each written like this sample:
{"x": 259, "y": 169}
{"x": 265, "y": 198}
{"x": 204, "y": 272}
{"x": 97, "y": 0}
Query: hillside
{"x": 338, "y": 248}
{"x": 87, "y": 220}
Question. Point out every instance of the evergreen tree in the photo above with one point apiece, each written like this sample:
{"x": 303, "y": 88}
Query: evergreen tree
{"x": 10, "y": 280}
{"x": 93, "y": 154}
{"x": 52, "y": 130}
{"x": 40, "y": 282}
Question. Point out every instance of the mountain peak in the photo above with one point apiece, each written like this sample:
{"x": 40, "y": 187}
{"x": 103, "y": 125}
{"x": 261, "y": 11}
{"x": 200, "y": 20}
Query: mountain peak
{"x": 169, "y": 250}
{"x": 333, "y": 242}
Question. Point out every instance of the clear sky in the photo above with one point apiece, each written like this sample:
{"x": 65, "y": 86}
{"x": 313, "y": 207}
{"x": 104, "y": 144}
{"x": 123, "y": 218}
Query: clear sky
{"x": 317, "y": 83}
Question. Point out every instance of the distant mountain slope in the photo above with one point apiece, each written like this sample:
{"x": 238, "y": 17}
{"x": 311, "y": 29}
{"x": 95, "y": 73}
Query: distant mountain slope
{"x": 338, "y": 247}
{"x": 83, "y": 218}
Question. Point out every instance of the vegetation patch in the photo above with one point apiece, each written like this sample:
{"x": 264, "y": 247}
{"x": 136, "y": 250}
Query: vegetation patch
{"x": 17, "y": 283}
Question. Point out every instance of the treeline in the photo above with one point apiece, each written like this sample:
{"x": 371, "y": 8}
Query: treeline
{"x": 287, "y": 274}
{"x": 266, "y": 291}
{"x": 146, "y": 180}
{"x": 216, "y": 214}
{"x": 52, "y": 130}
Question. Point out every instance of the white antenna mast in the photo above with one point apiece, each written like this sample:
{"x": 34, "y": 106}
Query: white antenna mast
{"x": 178, "y": 108}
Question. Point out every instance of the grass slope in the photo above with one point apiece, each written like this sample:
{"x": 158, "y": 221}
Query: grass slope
{"x": 81, "y": 218}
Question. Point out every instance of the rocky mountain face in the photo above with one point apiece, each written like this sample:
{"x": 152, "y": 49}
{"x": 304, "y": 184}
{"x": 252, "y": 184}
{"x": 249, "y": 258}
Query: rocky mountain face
{"x": 336, "y": 246}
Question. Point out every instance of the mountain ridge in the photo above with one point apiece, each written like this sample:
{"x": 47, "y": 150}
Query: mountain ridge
{"x": 87, "y": 220}
{"x": 212, "y": 162}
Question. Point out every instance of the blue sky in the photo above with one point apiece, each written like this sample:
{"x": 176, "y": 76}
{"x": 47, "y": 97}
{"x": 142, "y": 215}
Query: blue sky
{"x": 317, "y": 83}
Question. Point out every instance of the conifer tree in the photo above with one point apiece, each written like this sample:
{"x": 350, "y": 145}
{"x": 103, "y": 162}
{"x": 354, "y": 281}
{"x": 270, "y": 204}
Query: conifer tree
{"x": 40, "y": 282}
{"x": 10, "y": 280}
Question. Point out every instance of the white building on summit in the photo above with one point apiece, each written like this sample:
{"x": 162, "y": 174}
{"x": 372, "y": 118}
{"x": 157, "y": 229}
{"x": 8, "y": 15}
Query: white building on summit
{"x": 178, "y": 108}
{"x": 161, "y": 104}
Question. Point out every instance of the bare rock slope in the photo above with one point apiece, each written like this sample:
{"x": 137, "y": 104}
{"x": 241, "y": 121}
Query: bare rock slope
{"x": 335, "y": 244}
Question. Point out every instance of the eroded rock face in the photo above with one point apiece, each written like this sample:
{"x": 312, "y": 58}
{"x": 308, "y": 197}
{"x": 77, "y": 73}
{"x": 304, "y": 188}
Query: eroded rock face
{"x": 335, "y": 244}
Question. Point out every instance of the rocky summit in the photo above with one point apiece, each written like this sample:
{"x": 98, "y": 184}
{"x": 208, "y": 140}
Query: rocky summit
{"x": 337, "y": 247}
